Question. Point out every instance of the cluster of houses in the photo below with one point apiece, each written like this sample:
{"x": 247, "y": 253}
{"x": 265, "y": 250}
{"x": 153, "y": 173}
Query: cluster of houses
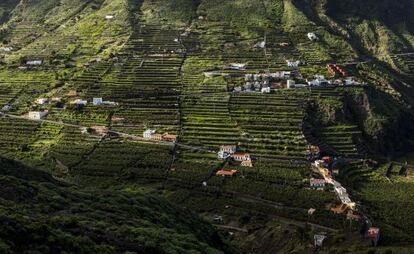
{"x": 321, "y": 81}
{"x": 322, "y": 166}
{"x": 231, "y": 151}
{"x": 95, "y": 102}
{"x": 44, "y": 101}
{"x": 154, "y": 135}
{"x": 263, "y": 82}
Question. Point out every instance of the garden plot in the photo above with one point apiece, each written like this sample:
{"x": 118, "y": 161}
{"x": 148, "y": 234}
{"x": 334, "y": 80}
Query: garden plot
{"x": 271, "y": 124}
{"x": 123, "y": 158}
{"x": 147, "y": 86}
{"x": 72, "y": 146}
{"x": 343, "y": 139}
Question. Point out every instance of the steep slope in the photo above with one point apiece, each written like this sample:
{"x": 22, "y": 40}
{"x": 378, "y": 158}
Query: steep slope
{"x": 40, "y": 214}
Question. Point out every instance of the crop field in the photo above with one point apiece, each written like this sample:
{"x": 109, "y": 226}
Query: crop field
{"x": 174, "y": 73}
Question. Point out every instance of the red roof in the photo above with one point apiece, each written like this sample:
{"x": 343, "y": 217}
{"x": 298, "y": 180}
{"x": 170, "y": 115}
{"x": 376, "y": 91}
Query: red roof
{"x": 226, "y": 172}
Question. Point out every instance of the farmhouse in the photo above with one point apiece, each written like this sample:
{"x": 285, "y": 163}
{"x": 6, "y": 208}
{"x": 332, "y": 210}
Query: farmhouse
{"x": 226, "y": 172}
{"x": 6, "y": 49}
{"x": 170, "y": 137}
{"x": 34, "y": 62}
{"x": 37, "y": 115}
{"x": 6, "y": 107}
{"x": 84, "y": 130}
{"x": 318, "y": 240}
{"x": 210, "y": 74}
{"x": 312, "y": 36}
{"x": 266, "y": 90}
{"x": 148, "y": 134}
{"x": 237, "y": 66}
{"x": 260, "y": 44}
{"x": 230, "y": 149}
{"x": 241, "y": 156}
{"x": 247, "y": 163}
{"x": 41, "y": 101}
{"x": 373, "y": 234}
{"x": 317, "y": 183}
{"x": 97, "y": 101}
{"x": 293, "y": 64}
{"x": 318, "y": 81}
{"x": 291, "y": 84}
{"x": 79, "y": 102}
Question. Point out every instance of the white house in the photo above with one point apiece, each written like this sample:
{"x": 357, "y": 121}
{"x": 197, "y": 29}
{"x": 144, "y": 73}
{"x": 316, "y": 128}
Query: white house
{"x": 149, "y": 133}
{"x": 34, "y": 62}
{"x": 312, "y": 36}
{"x": 230, "y": 149}
{"x": 222, "y": 155}
{"x": 292, "y": 64}
{"x": 291, "y": 84}
{"x": 210, "y": 74}
{"x": 300, "y": 85}
{"x": 37, "y": 115}
{"x": 6, "y": 49}
{"x": 97, "y": 101}
{"x": 260, "y": 44}
{"x": 109, "y": 17}
{"x": 266, "y": 90}
{"x": 318, "y": 240}
{"x": 237, "y": 89}
{"x": 286, "y": 74}
{"x": 42, "y": 101}
{"x": 318, "y": 81}
{"x": 6, "y": 107}
{"x": 349, "y": 82}
{"x": 237, "y": 66}
{"x": 79, "y": 102}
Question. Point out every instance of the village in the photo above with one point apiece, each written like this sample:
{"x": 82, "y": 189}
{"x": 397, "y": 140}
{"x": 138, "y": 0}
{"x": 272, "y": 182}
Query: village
{"x": 225, "y": 136}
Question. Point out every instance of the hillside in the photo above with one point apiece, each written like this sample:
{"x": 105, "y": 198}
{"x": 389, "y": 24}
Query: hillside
{"x": 41, "y": 214}
{"x": 276, "y": 121}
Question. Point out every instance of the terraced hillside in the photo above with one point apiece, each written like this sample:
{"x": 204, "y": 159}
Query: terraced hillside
{"x": 193, "y": 101}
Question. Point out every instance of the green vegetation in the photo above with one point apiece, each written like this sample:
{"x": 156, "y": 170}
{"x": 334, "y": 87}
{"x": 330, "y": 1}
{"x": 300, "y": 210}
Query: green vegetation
{"x": 169, "y": 66}
{"x": 40, "y": 214}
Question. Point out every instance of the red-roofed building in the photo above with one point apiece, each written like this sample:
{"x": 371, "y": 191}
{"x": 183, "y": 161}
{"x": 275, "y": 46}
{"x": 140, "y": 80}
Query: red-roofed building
{"x": 227, "y": 172}
{"x": 373, "y": 234}
{"x": 241, "y": 156}
{"x": 247, "y": 163}
{"x": 170, "y": 137}
{"x": 336, "y": 70}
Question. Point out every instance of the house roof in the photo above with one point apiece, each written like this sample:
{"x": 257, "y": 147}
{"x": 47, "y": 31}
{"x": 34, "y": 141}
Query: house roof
{"x": 169, "y": 136}
{"x": 226, "y": 172}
